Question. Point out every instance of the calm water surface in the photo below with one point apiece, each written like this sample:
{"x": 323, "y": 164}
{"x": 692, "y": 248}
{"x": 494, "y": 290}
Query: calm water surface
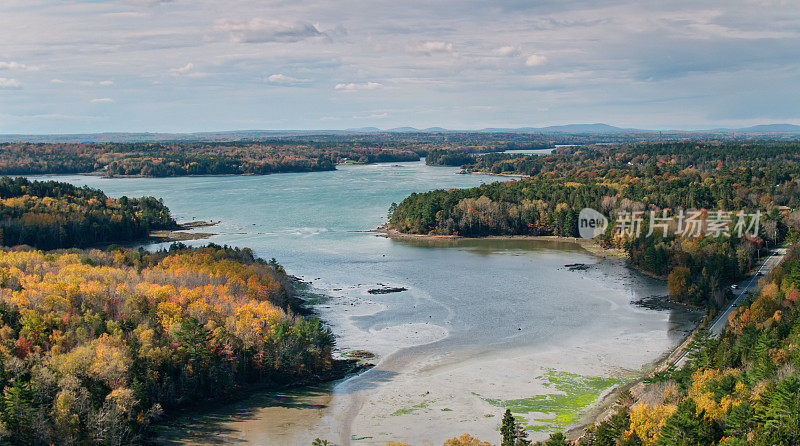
{"x": 464, "y": 299}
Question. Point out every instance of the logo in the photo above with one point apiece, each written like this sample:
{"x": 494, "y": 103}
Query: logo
{"x": 591, "y": 223}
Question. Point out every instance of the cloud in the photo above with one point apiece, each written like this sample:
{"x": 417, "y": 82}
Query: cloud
{"x": 12, "y": 65}
{"x": 182, "y": 70}
{"x": 149, "y": 3}
{"x": 383, "y": 115}
{"x": 506, "y": 51}
{"x": 102, "y": 101}
{"x": 535, "y": 60}
{"x": 259, "y": 30}
{"x": 355, "y": 86}
{"x": 283, "y": 79}
{"x": 431, "y": 47}
{"x": 9, "y": 83}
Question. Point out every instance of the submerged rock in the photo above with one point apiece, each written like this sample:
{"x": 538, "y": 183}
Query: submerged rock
{"x": 386, "y": 290}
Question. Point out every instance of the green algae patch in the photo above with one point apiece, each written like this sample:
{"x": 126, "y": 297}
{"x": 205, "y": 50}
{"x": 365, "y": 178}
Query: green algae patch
{"x": 573, "y": 393}
{"x": 411, "y": 409}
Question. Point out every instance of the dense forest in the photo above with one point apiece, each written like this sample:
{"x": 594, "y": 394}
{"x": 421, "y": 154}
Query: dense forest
{"x": 97, "y": 345}
{"x": 175, "y": 159}
{"x": 448, "y": 158}
{"x": 628, "y": 178}
{"x": 52, "y": 215}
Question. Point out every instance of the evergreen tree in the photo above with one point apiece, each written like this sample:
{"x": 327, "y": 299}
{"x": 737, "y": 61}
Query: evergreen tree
{"x": 508, "y": 429}
{"x": 17, "y": 411}
{"x": 556, "y": 439}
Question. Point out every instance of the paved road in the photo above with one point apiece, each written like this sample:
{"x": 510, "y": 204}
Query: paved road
{"x": 743, "y": 287}
{"x": 746, "y": 285}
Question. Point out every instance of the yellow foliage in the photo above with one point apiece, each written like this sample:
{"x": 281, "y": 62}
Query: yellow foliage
{"x": 110, "y": 363}
{"x": 647, "y": 421}
{"x": 465, "y": 440}
{"x": 705, "y": 398}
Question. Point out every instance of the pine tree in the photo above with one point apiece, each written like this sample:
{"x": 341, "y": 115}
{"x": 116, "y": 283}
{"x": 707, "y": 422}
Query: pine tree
{"x": 507, "y": 429}
{"x": 17, "y": 411}
{"x": 556, "y": 439}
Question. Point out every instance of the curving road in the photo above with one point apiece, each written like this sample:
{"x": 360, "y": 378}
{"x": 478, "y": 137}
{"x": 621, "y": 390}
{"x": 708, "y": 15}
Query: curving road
{"x": 775, "y": 257}
{"x": 740, "y": 292}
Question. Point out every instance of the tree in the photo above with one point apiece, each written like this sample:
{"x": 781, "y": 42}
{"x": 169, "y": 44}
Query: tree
{"x": 17, "y": 411}
{"x": 508, "y": 429}
{"x": 678, "y": 282}
{"x": 513, "y": 434}
{"x": 687, "y": 427}
{"x": 783, "y": 413}
{"x": 465, "y": 440}
{"x": 556, "y": 439}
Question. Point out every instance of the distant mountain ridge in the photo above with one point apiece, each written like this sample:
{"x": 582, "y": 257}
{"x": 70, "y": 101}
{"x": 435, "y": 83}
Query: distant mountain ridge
{"x": 576, "y": 129}
{"x": 765, "y": 128}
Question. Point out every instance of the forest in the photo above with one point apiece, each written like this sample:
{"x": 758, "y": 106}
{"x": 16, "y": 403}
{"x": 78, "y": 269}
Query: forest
{"x": 53, "y": 215}
{"x": 242, "y": 157}
{"x": 625, "y": 178}
{"x": 178, "y": 159}
{"x": 96, "y": 346}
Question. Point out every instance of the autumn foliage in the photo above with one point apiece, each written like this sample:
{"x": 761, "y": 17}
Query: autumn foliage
{"x": 96, "y": 345}
{"x": 740, "y": 389}
{"x": 52, "y": 215}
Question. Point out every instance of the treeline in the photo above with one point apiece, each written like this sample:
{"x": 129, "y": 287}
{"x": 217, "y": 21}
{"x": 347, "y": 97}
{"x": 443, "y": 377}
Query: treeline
{"x": 448, "y": 158}
{"x": 633, "y": 178}
{"x": 739, "y": 390}
{"x": 95, "y": 345}
{"x": 53, "y": 215}
{"x": 177, "y": 159}
{"x": 257, "y": 156}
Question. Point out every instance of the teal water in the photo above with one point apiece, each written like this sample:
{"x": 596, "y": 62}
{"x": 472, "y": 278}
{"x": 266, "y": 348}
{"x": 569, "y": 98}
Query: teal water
{"x": 465, "y": 299}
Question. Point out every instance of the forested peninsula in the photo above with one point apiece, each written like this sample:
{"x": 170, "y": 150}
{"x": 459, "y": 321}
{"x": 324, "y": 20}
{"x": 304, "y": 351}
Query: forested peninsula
{"x": 97, "y": 345}
{"x": 627, "y": 178}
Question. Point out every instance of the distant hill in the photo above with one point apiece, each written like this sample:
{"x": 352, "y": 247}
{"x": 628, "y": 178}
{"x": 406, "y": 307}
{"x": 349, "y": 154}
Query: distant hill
{"x": 771, "y": 128}
{"x": 260, "y": 135}
{"x": 363, "y": 130}
{"x": 403, "y": 130}
{"x": 585, "y": 128}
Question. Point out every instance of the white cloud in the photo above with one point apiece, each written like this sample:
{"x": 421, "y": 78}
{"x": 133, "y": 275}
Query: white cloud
{"x": 9, "y": 83}
{"x": 182, "y": 70}
{"x": 283, "y": 79}
{"x": 102, "y": 101}
{"x": 535, "y": 60}
{"x": 12, "y": 65}
{"x": 355, "y": 86}
{"x": 259, "y": 30}
{"x": 372, "y": 116}
{"x": 106, "y": 83}
{"x": 432, "y": 47}
{"x": 506, "y": 51}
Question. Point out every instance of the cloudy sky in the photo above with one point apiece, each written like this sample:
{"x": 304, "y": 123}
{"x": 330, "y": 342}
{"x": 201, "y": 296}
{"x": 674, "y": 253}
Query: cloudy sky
{"x": 198, "y": 65}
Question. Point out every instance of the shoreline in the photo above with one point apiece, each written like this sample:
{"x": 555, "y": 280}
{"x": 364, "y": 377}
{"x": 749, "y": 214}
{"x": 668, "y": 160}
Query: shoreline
{"x": 179, "y": 235}
{"x": 507, "y": 175}
{"x": 587, "y": 244}
{"x": 605, "y": 404}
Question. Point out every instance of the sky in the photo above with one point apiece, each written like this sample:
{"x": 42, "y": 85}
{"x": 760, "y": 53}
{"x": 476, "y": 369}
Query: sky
{"x": 77, "y": 66}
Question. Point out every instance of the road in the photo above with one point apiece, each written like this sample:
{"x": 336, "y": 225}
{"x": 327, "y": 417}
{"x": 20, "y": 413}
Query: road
{"x": 740, "y": 293}
{"x": 746, "y": 285}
